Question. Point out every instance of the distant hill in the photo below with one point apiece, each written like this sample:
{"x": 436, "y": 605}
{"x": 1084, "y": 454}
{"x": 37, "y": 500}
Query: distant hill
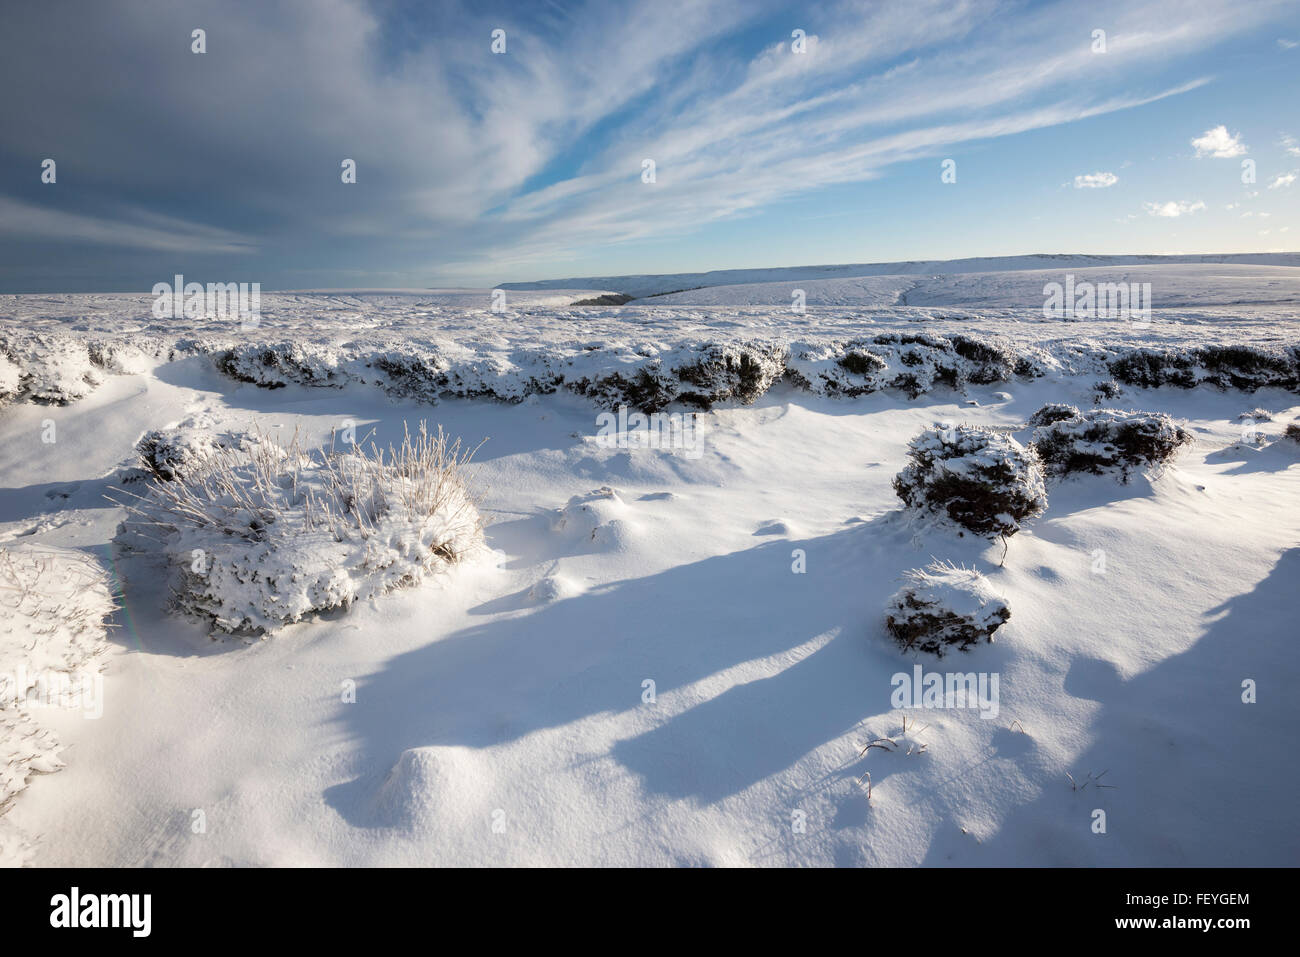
{"x": 640, "y": 286}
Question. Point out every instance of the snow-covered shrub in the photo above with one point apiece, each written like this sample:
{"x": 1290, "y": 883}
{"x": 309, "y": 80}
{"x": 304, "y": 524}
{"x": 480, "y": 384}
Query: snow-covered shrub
{"x": 274, "y": 365}
{"x": 1105, "y": 389}
{"x": 647, "y": 388}
{"x": 1292, "y": 432}
{"x": 125, "y": 356}
{"x": 52, "y": 369}
{"x": 982, "y": 480}
{"x": 1256, "y": 415}
{"x": 721, "y": 373}
{"x": 263, "y": 535}
{"x": 1235, "y": 366}
{"x": 944, "y": 606}
{"x": 10, "y": 378}
{"x": 166, "y": 453}
{"x": 913, "y": 363}
{"x": 1053, "y": 412}
{"x": 1249, "y": 367}
{"x": 1109, "y": 440}
{"x": 53, "y": 606}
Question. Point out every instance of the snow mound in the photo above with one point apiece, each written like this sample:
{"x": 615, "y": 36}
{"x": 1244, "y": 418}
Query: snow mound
{"x": 984, "y": 481}
{"x": 554, "y": 588}
{"x": 52, "y": 631}
{"x": 429, "y": 786}
{"x": 263, "y": 535}
{"x": 944, "y": 606}
{"x": 1109, "y": 440}
{"x": 585, "y": 515}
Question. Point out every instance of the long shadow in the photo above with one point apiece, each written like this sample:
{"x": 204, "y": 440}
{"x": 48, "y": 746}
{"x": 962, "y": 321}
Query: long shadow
{"x": 1277, "y": 456}
{"x": 589, "y": 654}
{"x": 41, "y": 498}
{"x": 1200, "y": 778}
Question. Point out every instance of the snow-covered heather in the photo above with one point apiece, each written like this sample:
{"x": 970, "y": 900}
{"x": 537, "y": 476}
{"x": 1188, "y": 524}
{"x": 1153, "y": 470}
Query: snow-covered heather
{"x": 261, "y": 535}
{"x": 425, "y": 347}
{"x": 54, "y": 603}
{"x": 670, "y": 655}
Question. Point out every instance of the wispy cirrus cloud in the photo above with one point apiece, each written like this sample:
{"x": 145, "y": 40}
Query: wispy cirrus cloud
{"x": 134, "y": 229}
{"x": 472, "y": 164}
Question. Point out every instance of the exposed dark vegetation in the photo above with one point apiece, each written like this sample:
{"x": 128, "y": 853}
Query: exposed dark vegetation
{"x": 1109, "y": 440}
{"x": 608, "y": 299}
{"x": 982, "y": 480}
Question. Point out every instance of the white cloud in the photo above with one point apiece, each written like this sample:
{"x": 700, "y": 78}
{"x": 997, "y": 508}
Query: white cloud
{"x": 1286, "y": 44}
{"x": 475, "y": 166}
{"x": 1095, "y": 180}
{"x": 1290, "y": 144}
{"x": 1173, "y": 208}
{"x": 1284, "y": 179}
{"x": 1219, "y": 143}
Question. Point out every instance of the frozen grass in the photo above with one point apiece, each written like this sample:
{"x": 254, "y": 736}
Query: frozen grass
{"x": 266, "y": 534}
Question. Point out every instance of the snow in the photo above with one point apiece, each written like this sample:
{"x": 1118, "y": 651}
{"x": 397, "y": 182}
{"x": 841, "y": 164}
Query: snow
{"x": 55, "y": 602}
{"x": 660, "y": 657}
{"x": 975, "y": 478}
{"x": 260, "y": 535}
{"x": 944, "y": 605}
{"x": 1103, "y": 441}
{"x": 847, "y": 280}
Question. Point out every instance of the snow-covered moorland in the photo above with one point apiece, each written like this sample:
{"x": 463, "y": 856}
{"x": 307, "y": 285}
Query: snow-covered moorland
{"x": 662, "y": 654}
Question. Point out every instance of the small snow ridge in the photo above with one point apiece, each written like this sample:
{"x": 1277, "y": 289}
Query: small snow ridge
{"x": 553, "y": 588}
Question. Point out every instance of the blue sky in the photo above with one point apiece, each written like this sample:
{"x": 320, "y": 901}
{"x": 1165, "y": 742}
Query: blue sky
{"x": 475, "y": 167}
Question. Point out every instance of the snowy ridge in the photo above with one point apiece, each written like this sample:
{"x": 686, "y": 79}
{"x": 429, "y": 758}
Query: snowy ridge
{"x": 639, "y": 286}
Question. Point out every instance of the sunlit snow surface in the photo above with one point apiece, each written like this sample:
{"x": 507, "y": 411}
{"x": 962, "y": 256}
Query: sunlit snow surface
{"x": 638, "y": 671}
